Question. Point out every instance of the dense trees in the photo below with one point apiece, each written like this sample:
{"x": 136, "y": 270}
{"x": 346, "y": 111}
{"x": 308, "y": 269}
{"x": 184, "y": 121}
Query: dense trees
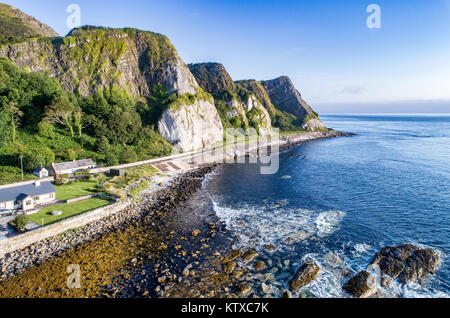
{"x": 49, "y": 124}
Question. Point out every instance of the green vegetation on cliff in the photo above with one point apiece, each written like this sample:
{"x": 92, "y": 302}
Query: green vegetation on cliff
{"x": 16, "y": 26}
{"x": 41, "y": 122}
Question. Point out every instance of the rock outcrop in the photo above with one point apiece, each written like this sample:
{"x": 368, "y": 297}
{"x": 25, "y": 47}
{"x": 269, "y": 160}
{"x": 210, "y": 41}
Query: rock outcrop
{"x": 191, "y": 127}
{"x": 241, "y": 109}
{"x": 407, "y": 262}
{"x": 305, "y": 274}
{"x": 213, "y": 77}
{"x": 287, "y": 98}
{"x": 362, "y": 285}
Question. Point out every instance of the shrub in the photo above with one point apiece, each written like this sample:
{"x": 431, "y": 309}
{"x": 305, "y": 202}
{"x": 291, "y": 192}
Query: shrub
{"x": 61, "y": 181}
{"x": 70, "y": 155}
{"x": 34, "y": 157}
{"x": 20, "y": 222}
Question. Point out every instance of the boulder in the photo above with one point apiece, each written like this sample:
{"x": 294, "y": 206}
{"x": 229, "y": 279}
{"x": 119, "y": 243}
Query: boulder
{"x": 229, "y": 267}
{"x": 305, "y": 274}
{"x": 420, "y": 264}
{"x": 244, "y": 290}
{"x": 249, "y": 256}
{"x": 363, "y": 285}
{"x": 391, "y": 266}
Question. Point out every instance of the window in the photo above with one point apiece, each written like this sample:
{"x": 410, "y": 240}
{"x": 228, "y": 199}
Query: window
{"x": 2, "y": 205}
{"x": 16, "y": 203}
{"x": 51, "y": 195}
{"x": 28, "y": 202}
{"x": 36, "y": 198}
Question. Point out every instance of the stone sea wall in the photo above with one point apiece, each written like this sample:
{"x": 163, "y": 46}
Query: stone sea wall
{"x": 23, "y": 240}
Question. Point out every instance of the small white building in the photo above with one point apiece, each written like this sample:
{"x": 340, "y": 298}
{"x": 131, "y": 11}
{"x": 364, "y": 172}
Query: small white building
{"x": 40, "y": 172}
{"x": 27, "y": 197}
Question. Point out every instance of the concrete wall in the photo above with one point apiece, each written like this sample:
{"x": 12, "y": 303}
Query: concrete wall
{"x": 23, "y": 240}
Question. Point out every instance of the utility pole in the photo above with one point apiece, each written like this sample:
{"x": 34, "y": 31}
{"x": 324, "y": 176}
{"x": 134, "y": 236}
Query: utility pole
{"x": 21, "y": 166}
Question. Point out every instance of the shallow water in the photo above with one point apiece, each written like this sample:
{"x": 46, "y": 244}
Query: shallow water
{"x": 338, "y": 201}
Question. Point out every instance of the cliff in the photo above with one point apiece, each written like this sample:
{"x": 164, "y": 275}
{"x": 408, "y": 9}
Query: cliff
{"x": 277, "y": 101}
{"x": 287, "y": 98}
{"x": 90, "y": 59}
{"x": 237, "y": 107}
{"x": 17, "y": 26}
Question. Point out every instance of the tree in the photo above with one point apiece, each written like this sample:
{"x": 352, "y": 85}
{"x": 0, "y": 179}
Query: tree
{"x": 124, "y": 125}
{"x": 102, "y": 145}
{"x": 35, "y": 157}
{"x": 15, "y": 113}
{"x": 71, "y": 155}
{"x": 46, "y": 130}
{"x": 61, "y": 112}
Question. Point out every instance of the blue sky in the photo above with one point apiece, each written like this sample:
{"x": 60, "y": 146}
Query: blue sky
{"x": 325, "y": 46}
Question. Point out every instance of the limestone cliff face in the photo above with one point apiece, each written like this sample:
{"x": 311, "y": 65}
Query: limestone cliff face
{"x": 287, "y": 98}
{"x": 92, "y": 58}
{"x": 192, "y": 127}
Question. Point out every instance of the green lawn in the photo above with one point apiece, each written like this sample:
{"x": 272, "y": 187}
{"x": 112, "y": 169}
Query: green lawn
{"x": 68, "y": 210}
{"x": 74, "y": 190}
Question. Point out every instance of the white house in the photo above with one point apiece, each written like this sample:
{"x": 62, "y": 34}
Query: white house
{"x": 40, "y": 172}
{"x": 27, "y": 197}
{"x": 58, "y": 169}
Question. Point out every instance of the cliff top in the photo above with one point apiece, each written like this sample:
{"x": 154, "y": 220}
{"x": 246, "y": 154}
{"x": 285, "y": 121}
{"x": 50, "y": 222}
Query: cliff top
{"x": 17, "y": 26}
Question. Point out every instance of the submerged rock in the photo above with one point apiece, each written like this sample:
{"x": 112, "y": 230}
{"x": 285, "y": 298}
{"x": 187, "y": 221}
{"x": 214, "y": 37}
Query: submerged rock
{"x": 305, "y": 274}
{"x": 229, "y": 267}
{"x": 259, "y": 266}
{"x": 244, "y": 289}
{"x": 233, "y": 255}
{"x": 249, "y": 256}
{"x": 363, "y": 285}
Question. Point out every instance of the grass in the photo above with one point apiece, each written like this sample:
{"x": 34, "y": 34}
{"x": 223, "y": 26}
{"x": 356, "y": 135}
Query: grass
{"x": 68, "y": 210}
{"x": 74, "y": 190}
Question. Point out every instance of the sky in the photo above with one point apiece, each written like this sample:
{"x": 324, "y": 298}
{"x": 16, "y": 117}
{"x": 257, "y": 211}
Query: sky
{"x": 324, "y": 46}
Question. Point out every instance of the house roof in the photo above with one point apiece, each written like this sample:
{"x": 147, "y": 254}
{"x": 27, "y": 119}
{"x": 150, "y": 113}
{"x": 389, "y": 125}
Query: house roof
{"x": 39, "y": 169}
{"x": 73, "y": 165}
{"x": 15, "y": 193}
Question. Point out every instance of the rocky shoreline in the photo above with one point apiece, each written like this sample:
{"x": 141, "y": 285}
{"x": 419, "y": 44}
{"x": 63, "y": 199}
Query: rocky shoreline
{"x": 171, "y": 263}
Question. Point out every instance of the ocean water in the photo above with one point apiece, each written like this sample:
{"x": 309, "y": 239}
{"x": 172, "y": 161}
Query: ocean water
{"x": 338, "y": 201}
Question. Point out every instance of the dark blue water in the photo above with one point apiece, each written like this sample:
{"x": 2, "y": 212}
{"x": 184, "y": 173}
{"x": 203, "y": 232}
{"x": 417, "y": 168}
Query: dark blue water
{"x": 338, "y": 201}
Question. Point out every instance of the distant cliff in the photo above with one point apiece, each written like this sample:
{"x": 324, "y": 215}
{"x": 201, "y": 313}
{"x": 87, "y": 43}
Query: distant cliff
{"x": 283, "y": 105}
{"x": 17, "y": 26}
{"x": 238, "y": 108}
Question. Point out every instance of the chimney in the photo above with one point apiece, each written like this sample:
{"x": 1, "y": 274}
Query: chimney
{"x": 37, "y": 183}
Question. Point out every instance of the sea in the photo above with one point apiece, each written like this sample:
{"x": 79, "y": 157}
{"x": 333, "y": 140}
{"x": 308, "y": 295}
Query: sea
{"x": 339, "y": 201}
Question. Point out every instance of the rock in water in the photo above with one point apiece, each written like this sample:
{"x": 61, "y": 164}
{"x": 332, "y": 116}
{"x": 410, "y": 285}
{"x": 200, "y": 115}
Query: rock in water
{"x": 244, "y": 290}
{"x": 249, "y": 256}
{"x": 391, "y": 266}
{"x": 362, "y": 285}
{"x": 229, "y": 267}
{"x": 420, "y": 264}
{"x": 305, "y": 274}
{"x": 406, "y": 262}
